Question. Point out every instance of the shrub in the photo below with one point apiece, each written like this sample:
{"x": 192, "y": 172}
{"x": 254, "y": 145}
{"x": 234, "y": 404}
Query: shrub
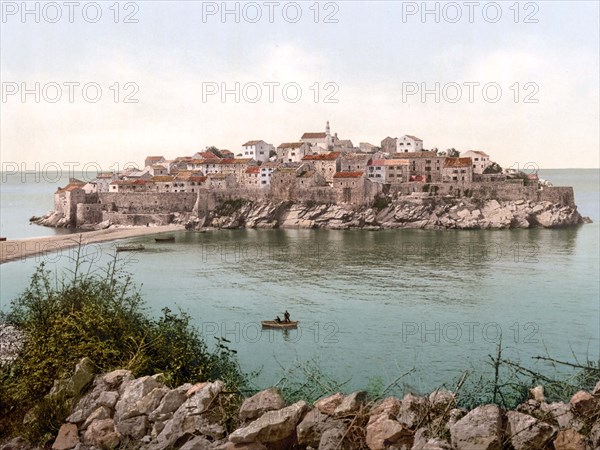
{"x": 101, "y": 315}
{"x": 381, "y": 203}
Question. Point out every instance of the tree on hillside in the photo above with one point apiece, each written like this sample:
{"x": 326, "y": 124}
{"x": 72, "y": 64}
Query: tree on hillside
{"x": 452, "y": 153}
{"x": 214, "y": 150}
{"x": 493, "y": 168}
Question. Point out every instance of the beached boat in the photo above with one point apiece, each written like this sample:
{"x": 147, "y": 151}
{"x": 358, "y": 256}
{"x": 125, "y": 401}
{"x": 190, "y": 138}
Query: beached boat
{"x": 165, "y": 239}
{"x": 2, "y": 239}
{"x": 280, "y": 325}
{"x": 130, "y": 248}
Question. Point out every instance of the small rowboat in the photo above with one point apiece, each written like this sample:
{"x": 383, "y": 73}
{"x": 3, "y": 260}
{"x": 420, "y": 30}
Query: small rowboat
{"x": 279, "y": 325}
{"x": 165, "y": 239}
{"x": 130, "y": 248}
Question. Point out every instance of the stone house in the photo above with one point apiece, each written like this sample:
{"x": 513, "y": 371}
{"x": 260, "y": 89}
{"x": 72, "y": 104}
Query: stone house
{"x": 389, "y": 145}
{"x": 426, "y": 164}
{"x": 158, "y": 170}
{"x": 458, "y": 169}
{"x": 327, "y": 164}
{"x": 342, "y": 145}
{"x": 309, "y": 178}
{"x": 161, "y": 183}
{"x": 480, "y": 160}
{"x": 252, "y": 177}
{"x": 221, "y": 181}
{"x": 235, "y": 166}
{"x": 354, "y": 188}
{"x": 187, "y": 181}
{"x": 396, "y": 171}
{"x": 292, "y": 151}
{"x": 152, "y": 160}
{"x": 365, "y": 147}
{"x": 354, "y": 162}
{"x": 257, "y": 150}
{"x": 67, "y": 198}
{"x": 408, "y": 143}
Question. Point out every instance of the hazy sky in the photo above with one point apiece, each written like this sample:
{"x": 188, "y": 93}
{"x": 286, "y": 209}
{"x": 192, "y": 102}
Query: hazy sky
{"x": 543, "y": 56}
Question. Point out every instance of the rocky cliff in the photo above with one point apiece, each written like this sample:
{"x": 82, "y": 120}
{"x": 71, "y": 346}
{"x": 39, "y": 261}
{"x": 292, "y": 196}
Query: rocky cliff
{"x": 402, "y": 212}
{"x": 116, "y": 410}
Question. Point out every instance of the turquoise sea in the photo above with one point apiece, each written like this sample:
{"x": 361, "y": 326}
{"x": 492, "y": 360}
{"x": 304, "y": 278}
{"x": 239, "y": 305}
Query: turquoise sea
{"x": 369, "y": 303}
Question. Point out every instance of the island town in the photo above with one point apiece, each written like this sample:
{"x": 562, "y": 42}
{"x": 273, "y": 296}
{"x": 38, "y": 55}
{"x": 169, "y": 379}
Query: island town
{"x": 318, "y": 169}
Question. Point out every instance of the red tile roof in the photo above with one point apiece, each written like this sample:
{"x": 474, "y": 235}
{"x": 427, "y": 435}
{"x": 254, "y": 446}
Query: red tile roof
{"x": 253, "y": 169}
{"x": 250, "y": 143}
{"x": 377, "y": 162}
{"x": 71, "y": 187}
{"x": 291, "y": 145}
{"x": 349, "y": 175}
{"x": 332, "y": 156}
{"x": 458, "y": 162}
{"x": 313, "y": 135}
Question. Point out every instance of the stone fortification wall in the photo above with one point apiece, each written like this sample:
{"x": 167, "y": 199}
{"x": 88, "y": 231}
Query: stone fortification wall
{"x": 148, "y": 202}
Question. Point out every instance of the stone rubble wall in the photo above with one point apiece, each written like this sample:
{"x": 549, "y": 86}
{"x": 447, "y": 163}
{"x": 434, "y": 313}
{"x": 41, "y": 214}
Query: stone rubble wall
{"x": 120, "y": 411}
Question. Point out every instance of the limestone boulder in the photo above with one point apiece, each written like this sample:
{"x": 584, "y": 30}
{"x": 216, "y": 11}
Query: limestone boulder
{"x": 481, "y": 428}
{"x": 271, "y": 426}
{"x": 328, "y": 405}
{"x": 257, "y": 405}
{"x": 441, "y": 400}
{"x": 312, "y": 427}
{"x": 102, "y": 434}
{"x": 67, "y": 437}
{"x": 413, "y": 411}
{"x": 526, "y": 432}
{"x": 382, "y": 431}
{"x": 132, "y": 392}
{"x": 134, "y": 427}
{"x": 350, "y": 404}
{"x": 569, "y": 440}
{"x": 583, "y": 403}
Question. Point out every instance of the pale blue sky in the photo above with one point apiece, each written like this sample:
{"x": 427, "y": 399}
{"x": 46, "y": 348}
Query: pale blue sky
{"x": 368, "y": 54}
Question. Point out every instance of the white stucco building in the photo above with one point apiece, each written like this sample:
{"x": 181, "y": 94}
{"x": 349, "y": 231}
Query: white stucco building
{"x": 408, "y": 143}
{"x": 257, "y": 150}
{"x": 480, "y": 160}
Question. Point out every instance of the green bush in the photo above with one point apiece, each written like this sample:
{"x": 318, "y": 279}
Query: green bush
{"x": 101, "y": 315}
{"x": 381, "y": 203}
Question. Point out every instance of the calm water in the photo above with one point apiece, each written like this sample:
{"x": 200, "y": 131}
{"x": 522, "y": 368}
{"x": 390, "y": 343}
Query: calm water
{"x": 369, "y": 303}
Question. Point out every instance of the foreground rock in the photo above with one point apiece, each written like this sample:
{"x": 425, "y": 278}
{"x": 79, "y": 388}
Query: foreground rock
{"x": 117, "y": 410}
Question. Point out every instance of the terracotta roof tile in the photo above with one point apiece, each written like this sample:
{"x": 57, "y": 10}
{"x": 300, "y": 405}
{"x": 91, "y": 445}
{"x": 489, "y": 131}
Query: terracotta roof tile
{"x": 314, "y": 135}
{"x": 349, "y": 175}
{"x": 332, "y": 156}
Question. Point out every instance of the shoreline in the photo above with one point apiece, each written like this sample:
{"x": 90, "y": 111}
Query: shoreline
{"x": 19, "y": 249}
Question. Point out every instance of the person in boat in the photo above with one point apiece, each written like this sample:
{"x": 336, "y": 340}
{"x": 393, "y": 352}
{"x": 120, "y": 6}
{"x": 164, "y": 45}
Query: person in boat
{"x": 277, "y": 319}
{"x": 286, "y": 317}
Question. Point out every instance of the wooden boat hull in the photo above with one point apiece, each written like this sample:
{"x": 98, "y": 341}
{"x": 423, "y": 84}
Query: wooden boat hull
{"x": 281, "y": 325}
{"x": 163, "y": 240}
{"x": 2, "y": 239}
{"x": 130, "y": 248}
